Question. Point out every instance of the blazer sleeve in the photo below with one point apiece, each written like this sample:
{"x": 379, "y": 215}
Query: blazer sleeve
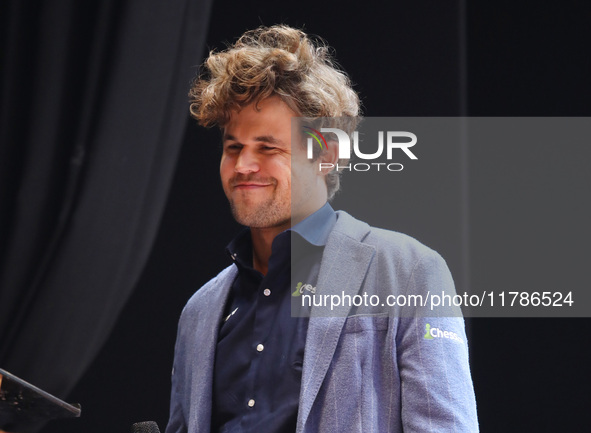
{"x": 437, "y": 393}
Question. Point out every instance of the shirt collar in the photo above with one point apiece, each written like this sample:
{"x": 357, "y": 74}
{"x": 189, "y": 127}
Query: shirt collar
{"x": 316, "y": 227}
{"x": 240, "y": 248}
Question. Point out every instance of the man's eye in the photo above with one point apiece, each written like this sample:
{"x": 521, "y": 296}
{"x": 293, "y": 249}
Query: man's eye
{"x": 232, "y": 147}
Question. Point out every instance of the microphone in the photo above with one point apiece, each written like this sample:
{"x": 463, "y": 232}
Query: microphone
{"x": 145, "y": 427}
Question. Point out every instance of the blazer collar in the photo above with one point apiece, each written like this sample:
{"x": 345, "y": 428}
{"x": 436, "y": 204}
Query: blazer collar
{"x": 344, "y": 265}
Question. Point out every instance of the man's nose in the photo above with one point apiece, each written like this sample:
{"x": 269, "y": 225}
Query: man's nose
{"x": 247, "y": 162}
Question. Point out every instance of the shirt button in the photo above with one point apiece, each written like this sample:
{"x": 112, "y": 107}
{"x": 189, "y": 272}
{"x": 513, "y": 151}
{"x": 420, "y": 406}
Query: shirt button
{"x": 266, "y": 292}
{"x": 260, "y": 348}
{"x": 250, "y": 403}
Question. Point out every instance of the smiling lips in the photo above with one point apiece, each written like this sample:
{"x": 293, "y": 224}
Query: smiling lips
{"x": 244, "y": 183}
{"x": 250, "y": 185}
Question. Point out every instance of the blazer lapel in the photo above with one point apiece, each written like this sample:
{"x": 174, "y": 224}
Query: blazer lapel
{"x": 344, "y": 264}
{"x": 205, "y": 348}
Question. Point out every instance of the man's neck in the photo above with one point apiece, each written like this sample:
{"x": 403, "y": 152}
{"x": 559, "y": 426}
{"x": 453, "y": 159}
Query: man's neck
{"x": 262, "y": 242}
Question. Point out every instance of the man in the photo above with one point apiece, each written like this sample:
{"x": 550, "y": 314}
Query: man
{"x": 242, "y": 362}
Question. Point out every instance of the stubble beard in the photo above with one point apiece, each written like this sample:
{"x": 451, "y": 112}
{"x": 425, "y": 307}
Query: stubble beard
{"x": 272, "y": 212}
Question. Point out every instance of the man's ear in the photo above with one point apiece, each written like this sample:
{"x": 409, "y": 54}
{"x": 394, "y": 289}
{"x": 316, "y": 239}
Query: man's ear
{"x": 328, "y": 159}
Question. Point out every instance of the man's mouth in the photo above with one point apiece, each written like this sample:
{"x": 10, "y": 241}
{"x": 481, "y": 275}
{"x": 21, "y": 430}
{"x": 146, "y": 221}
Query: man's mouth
{"x": 250, "y": 185}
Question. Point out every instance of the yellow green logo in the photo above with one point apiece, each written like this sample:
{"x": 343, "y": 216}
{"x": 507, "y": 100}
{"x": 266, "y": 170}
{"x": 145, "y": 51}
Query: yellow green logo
{"x": 428, "y": 335}
{"x": 297, "y": 291}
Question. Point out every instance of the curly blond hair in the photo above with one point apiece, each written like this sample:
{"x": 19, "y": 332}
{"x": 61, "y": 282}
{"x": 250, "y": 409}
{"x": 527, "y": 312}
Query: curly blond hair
{"x": 267, "y": 61}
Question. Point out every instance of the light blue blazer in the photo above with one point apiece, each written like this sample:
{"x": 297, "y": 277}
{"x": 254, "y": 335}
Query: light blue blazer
{"x": 362, "y": 372}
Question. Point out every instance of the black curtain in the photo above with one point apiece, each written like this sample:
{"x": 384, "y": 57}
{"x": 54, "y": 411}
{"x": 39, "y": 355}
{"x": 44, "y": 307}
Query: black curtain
{"x": 94, "y": 111}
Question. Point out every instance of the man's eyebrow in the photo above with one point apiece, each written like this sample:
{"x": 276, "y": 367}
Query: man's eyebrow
{"x": 261, "y": 138}
{"x": 269, "y": 139}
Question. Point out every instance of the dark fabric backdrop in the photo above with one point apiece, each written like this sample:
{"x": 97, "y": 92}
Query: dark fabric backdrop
{"x": 93, "y": 117}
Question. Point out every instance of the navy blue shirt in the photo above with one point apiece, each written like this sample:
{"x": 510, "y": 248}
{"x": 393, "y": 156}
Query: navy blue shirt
{"x": 260, "y": 349}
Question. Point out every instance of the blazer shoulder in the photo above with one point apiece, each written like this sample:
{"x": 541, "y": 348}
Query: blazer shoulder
{"x": 390, "y": 242}
{"x": 397, "y": 242}
{"x": 210, "y": 289}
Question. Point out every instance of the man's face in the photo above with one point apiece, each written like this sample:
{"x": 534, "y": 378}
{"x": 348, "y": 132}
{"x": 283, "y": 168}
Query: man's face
{"x": 256, "y": 168}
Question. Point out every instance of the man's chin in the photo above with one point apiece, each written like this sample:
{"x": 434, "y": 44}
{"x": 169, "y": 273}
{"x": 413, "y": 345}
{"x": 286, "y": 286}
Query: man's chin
{"x": 260, "y": 220}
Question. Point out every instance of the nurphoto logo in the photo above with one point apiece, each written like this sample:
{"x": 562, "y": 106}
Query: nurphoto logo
{"x": 394, "y": 140}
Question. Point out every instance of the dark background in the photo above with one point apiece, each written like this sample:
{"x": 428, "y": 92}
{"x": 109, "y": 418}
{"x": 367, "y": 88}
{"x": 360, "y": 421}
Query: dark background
{"x": 524, "y": 211}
